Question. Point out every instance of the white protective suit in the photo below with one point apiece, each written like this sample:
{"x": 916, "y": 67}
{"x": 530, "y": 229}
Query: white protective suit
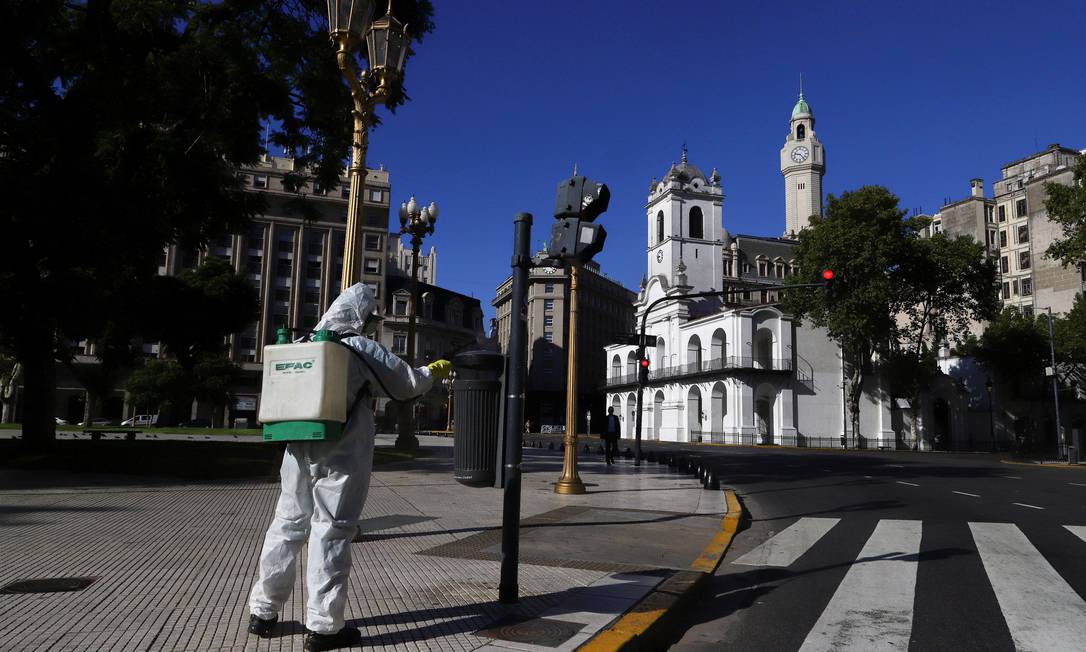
{"x": 324, "y": 483}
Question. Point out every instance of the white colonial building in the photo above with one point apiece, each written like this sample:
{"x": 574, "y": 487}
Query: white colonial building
{"x": 738, "y": 370}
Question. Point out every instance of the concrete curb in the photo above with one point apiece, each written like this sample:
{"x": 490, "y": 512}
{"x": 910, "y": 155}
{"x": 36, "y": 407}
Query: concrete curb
{"x": 1045, "y": 465}
{"x": 649, "y": 623}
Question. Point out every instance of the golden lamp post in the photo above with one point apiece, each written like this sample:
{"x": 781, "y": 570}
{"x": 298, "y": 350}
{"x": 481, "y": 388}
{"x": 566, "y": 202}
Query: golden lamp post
{"x": 570, "y": 480}
{"x": 417, "y": 222}
{"x": 386, "y": 45}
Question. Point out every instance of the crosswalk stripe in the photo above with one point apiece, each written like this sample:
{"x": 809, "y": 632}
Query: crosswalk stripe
{"x": 872, "y": 608}
{"x": 1042, "y": 611}
{"x": 789, "y": 544}
{"x": 1077, "y": 530}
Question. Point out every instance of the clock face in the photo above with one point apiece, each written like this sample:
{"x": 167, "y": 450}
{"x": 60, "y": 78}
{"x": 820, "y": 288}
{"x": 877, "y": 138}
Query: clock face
{"x": 800, "y": 154}
{"x": 549, "y": 270}
{"x": 660, "y": 256}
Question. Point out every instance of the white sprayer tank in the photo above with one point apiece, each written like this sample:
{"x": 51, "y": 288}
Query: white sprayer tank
{"x": 305, "y": 382}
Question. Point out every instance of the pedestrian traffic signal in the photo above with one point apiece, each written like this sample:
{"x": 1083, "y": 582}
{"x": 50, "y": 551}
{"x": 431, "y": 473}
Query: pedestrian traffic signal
{"x": 575, "y": 237}
{"x": 645, "y": 362}
{"x": 827, "y": 275}
{"x": 831, "y": 282}
{"x": 582, "y": 198}
{"x": 643, "y": 370}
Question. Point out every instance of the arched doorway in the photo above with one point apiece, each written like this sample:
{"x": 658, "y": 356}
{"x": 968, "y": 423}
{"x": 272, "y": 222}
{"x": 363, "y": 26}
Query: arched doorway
{"x": 631, "y": 363}
{"x": 718, "y": 408}
{"x": 630, "y": 428}
{"x": 661, "y": 353}
{"x": 657, "y": 415}
{"x": 693, "y": 354}
{"x": 940, "y": 434}
{"x": 694, "y": 415}
{"x": 718, "y": 349}
{"x": 763, "y": 349}
{"x": 764, "y": 403}
{"x": 616, "y": 367}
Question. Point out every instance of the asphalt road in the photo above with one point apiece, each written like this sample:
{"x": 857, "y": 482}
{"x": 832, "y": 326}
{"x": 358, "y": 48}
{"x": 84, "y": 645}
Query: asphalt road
{"x": 895, "y": 551}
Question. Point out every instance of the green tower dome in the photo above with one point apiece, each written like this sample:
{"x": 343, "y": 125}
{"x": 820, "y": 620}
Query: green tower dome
{"x": 801, "y": 107}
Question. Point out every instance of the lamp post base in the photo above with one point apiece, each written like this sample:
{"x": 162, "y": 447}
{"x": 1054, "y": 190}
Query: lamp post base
{"x": 405, "y": 435}
{"x": 571, "y": 486}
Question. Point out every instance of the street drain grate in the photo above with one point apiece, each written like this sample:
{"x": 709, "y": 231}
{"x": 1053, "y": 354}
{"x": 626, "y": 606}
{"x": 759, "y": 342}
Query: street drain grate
{"x": 548, "y": 632}
{"x": 48, "y": 585}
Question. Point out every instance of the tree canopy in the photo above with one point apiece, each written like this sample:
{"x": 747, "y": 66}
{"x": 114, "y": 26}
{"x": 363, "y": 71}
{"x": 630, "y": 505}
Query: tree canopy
{"x": 122, "y": 124}
{"x": 1066, "y": 206}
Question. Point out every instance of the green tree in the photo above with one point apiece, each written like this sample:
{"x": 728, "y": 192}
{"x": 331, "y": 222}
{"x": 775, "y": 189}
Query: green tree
{"x": 122, "y": 124}
{"x": 1015, "y": 347}
{"x": 1066, "y": 206}
{"x": 946, "y": 285}
{"x": 1070, "y": 334}
{"x": 863, "y": 238}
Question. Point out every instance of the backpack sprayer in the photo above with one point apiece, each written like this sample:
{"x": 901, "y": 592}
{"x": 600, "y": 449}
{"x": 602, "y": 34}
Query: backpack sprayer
{"x": 304, "y": 386}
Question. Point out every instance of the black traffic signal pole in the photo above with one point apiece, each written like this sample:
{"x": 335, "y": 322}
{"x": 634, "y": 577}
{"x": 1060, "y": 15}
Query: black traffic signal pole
{"x": 514, "y": 409}
{"x": 642, "y": 372}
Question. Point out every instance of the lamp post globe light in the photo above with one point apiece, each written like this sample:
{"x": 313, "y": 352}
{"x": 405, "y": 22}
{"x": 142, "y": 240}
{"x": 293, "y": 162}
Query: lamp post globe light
{"x": 418, "y": 222}
{"x": 349, "y": 23}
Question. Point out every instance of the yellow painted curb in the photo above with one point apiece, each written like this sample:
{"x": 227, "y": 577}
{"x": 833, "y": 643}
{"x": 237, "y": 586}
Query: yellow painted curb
{"x": 630, "y": 631}
{"x": 1044, "y": 466}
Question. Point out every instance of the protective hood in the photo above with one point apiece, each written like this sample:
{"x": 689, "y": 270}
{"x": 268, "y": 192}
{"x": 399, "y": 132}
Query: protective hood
{"x": 348, "y": 313}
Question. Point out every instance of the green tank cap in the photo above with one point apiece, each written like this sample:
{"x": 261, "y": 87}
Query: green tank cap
{"x": 325, "y": 336}
{"x": 282, "y": 336}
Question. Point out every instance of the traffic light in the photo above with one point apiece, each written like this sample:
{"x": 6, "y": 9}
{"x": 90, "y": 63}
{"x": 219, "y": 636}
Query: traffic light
{"x": 830, "y": 282}
{"x": 575, "y": 237}
{"x": 643, "y": 369}
{"x": 582, "y": 198}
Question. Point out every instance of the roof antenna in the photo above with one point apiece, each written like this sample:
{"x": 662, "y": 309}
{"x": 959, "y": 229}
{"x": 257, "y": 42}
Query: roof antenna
{"x": 684, "y": 152}
{"x": 801, "y": 85}
{"x": 575, "y": 168}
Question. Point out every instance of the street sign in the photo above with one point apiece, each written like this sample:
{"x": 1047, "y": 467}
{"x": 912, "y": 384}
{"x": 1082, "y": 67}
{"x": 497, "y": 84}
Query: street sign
{"x": 646, "y": 341}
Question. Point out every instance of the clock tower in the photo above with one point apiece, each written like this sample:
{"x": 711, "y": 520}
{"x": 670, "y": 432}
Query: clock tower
{"x": 803, "y": 162}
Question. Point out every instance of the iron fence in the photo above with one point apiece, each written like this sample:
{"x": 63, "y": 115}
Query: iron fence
{"x": 729, "y": 363}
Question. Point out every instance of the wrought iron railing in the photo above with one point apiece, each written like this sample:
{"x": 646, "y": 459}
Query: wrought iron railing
{"x": 728, "y": 363}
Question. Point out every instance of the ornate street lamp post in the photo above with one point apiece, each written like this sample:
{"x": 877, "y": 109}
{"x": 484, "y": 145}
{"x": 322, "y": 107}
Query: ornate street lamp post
{"x": 417, "y": 222}
{"x": 386, "y": 44}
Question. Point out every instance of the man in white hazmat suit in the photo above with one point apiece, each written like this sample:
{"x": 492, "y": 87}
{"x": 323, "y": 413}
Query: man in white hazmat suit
{"x": 324, "y": 485}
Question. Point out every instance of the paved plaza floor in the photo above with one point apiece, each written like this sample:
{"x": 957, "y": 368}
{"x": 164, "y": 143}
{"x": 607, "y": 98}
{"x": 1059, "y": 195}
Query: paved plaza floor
{"x": 172, "y": 561}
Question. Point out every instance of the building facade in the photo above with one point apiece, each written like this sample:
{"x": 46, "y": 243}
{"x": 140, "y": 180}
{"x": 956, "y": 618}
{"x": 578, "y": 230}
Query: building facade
{"x": 400, "y": 260}
{"x": 735, "y": 369}
{"x": 605, "y": 310}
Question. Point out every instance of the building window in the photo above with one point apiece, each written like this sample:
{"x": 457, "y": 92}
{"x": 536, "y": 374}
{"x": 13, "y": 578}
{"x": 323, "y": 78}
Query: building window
{"x": 373, "y": 242}
{"x": 763, "y": 268}
{"x": 283, "y": 268}
{"x": 1020, "y": 208}
{"x": 377, "y": 196}
{"x": 399, "y": 344}
{"x": 548, "y": 287}
{"x": 1004, "y": 266}
{"x": 282, "y": 295}
{"x": 1023, "y": 260}
{"x": 260, "y": 181}
{"x": 548, "y": 304}
{"x": 373, "y": 266}
{"x": 1014, "y": 287}
{"x": 990, "y": 237}
{"x": 1027, "y": 287}
{"x": 1027, "y": 311}
{"x": 345, "y": 190}
{"x": 936, "y": 226}
{"x": 1003, "y": 238}
{"x": 779, "y": 268}
{"x": 989, "y": 214}
{"x": 659, "y": 227}
{"x": 727, "y": 266}
{"x": 696, "y": 227}
{"x": 548, "y": 320}
{"x": 1023, "y": 234}
{"x": 548, "y": 336}
{"x": 399, "y": 306}
{"x": 801, "y": 132}
{"x": 1006, "y": 290}
{"x": 802, "y": 186}
{"x": 1003, "y": 213}
{"x": 375, "y": 287}
{"x": 319, "y": 189}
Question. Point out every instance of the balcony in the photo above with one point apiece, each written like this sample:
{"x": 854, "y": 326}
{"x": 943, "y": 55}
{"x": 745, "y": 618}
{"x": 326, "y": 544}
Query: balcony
{"x": 704, "y": 367}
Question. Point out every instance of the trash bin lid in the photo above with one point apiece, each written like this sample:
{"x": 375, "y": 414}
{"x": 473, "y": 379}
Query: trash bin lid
{"x": 481, "y": 359}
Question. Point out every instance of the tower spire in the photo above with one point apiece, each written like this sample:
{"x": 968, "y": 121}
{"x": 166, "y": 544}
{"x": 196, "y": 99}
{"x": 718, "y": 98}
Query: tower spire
{"x": 684, "y": 152}
{"x": 575, "y": 168}
{"x": 801, "y": 85}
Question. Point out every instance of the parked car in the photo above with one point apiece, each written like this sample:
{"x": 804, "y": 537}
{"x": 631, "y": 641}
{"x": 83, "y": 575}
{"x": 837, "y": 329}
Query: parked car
{"x": 141, "y": 420}
{"x": 97, "y": 422}
{"x": 61, "y": 422}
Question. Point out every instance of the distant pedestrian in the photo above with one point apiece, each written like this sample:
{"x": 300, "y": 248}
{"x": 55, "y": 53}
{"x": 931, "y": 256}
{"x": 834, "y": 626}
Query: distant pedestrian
{"x": 611, "y": 428}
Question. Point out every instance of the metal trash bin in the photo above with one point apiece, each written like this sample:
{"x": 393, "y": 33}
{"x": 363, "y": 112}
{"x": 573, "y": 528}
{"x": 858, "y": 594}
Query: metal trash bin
{"x": 1072, "y": 454}
{"x": 477, "y": 416}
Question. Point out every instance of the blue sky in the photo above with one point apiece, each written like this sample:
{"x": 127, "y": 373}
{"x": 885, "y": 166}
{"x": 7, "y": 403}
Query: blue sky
{"x": 917, "y": 96}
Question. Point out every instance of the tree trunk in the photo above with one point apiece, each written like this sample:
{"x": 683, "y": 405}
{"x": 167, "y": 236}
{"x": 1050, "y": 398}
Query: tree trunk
{"x": 914, "y": 413}
{"x": 89, "y": 400}
{"x": 855, "y": 392}
{"x": 39, "y": 392}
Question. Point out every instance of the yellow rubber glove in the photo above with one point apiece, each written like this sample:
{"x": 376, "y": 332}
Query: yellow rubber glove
{"x": 440, "y": 369}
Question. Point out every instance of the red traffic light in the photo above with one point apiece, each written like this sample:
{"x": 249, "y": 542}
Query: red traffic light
{"x": 827, "y": 274}
{"x": 645, "y": 362}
